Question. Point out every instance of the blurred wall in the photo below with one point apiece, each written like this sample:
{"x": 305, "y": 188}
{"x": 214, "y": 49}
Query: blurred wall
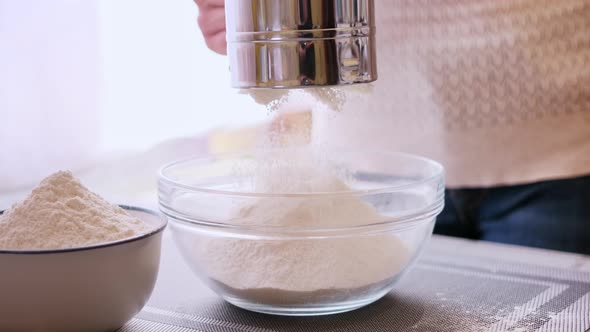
{"x": 50, "y": 87}
{"x": 84, "y": 79}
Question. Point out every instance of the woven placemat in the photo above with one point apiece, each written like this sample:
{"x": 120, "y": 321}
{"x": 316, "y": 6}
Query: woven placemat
{"x": 456, "y": 286}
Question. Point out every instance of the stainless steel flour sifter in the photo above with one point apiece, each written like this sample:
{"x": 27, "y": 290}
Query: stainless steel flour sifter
{"x": 300, "y": 43}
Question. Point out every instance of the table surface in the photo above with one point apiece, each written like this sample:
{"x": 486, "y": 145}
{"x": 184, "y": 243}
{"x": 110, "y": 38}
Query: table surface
{"x": 456, "y": 285}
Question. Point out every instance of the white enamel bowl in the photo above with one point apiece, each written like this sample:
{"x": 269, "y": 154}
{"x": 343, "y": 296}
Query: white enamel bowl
{"x": 96, "y": 288}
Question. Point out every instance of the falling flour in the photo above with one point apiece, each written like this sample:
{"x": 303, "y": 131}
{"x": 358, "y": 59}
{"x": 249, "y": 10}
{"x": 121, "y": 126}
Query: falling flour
{"x": 282, "y": 269}
{"x": 61, "y": 213}
{"x": 330, "y": 97}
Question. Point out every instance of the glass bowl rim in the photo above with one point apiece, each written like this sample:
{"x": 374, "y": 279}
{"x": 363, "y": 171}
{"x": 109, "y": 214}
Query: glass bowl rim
{"x": 437, "y": 177}
{"x": 281, "y": 232}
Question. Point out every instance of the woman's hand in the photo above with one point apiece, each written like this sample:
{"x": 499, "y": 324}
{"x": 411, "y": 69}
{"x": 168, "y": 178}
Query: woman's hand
{"x": 212, "y": 24}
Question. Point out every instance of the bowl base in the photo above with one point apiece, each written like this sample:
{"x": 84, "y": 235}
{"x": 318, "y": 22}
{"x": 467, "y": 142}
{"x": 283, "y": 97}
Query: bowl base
{"x": 305, "y": 310}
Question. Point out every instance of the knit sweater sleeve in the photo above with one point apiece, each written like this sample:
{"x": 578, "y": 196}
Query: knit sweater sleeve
{"x": 497, "y": 90}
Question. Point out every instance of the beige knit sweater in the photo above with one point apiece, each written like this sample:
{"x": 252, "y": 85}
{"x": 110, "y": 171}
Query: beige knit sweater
{"x": 498, "y": 91}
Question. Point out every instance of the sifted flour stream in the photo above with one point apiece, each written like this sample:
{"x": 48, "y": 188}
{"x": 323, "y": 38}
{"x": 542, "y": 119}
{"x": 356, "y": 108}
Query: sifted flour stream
{"x": 298, "y": 270}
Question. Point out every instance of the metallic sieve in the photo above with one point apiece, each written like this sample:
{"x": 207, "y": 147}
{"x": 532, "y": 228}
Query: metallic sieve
{"x": 300, "y": 43}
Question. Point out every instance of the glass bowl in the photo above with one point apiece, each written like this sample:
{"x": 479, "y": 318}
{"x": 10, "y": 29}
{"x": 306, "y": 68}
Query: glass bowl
{"x": 341, "y": 249}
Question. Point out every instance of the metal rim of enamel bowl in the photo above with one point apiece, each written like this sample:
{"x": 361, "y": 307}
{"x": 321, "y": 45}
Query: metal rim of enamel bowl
{"x": 155, "y": 231}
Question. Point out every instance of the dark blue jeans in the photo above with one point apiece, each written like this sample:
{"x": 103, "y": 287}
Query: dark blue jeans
{"x": 549, "y": 214}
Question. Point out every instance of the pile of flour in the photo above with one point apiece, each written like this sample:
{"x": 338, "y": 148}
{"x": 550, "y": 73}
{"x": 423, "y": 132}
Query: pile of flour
{"x": 283, "y": 270}
{"x": 61, "y": 213}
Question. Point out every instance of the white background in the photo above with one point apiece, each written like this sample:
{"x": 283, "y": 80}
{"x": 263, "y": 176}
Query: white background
{"x": 83, "y": 79}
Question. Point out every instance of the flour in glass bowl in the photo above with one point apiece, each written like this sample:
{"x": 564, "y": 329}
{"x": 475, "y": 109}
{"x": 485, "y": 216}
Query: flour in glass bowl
{"x": 61, "y": 213}
{"x": 284, "y": 271}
